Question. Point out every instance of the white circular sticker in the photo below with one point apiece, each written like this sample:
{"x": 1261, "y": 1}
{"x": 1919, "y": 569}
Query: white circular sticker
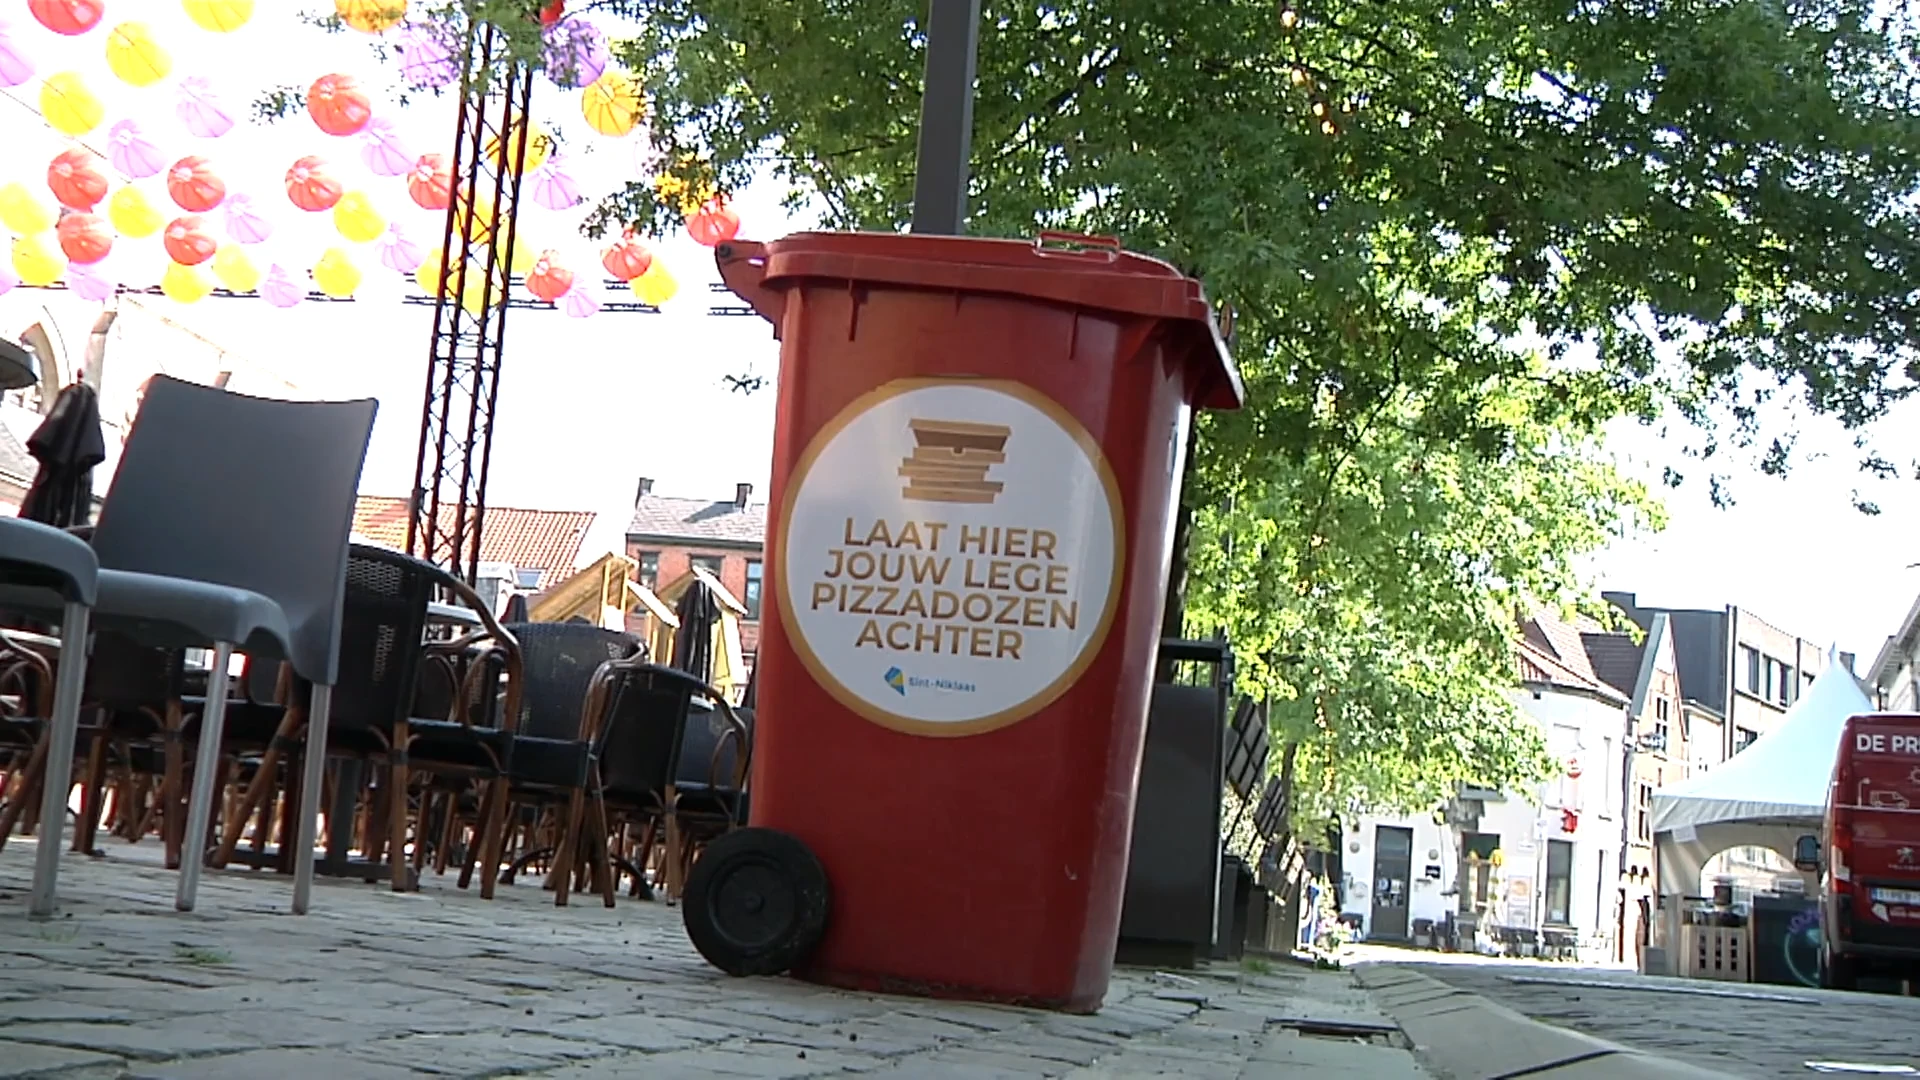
{"x": 950, "y": 555}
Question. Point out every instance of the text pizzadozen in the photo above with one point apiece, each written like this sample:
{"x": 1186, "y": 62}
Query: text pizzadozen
{"x": 980, "y": 602}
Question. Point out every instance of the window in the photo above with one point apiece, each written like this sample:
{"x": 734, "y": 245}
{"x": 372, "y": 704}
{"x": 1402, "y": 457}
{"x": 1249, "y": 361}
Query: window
{"x": 527, "y": 579}
{"x": 1742, "y": 738}
{"x": 1662, "y": 712}
{"x": 1785, "y": 685}
{"x": 710, "y": 563}
{"x": 1610, "y": 773}
{"x": 1750, "y": 662}
{"x": 1476, "y": 869}
{"x": 1643, "y": 812}
{"x": 1560, "y": 882}
{"x": 752, "y": 599}
{"x": 649, "y": 568}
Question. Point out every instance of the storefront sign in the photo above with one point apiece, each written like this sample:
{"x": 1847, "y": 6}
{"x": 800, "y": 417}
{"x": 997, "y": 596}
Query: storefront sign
{"x": 950, "y": 555}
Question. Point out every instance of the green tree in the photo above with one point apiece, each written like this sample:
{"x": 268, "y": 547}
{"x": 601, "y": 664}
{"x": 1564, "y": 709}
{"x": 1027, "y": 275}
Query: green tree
{"x": 1459, "y": 238}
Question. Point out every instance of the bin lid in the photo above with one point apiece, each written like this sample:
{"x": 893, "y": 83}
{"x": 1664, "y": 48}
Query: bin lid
{"x": 1085, "y": 272}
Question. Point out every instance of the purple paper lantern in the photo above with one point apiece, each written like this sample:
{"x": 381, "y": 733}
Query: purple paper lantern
{"x": 131, "y": 154}
{"x": 579, "y": 302}
{"x": 8, "y": 279}
{"x": 397, "y": 252}
{"x": 553, "y": 186}
{"x": 200, "y": 108}
{"x": 15, "y": 67}
{"x": 89, "y": 284}
{"x": 281, "y": 290}
{"x": 426, "y": 60}
{"x": 576, "y": 52}
{"x": 244, "y": 223}
{"x": 382, "y": 151}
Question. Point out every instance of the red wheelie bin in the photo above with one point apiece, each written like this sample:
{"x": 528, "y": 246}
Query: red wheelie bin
{"x": 977, "y": 455}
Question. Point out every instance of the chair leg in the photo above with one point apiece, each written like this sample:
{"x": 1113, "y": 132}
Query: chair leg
{"x": 261, "y": 784}
{"x": 562, "y": 875}
{"x": 493, "y": 835}
{"x": 64, "y": 730}
{"x": 172, "y": 779}
{"x": 94, "y": 786}
{"x": 473, "y": 852}
{"x": 26, "y": 784}
{"x": 397, "y": 811}
{"x": 311, "y": 788}
{"x": 603, "y": 858}
{"x": 206, "y": 775}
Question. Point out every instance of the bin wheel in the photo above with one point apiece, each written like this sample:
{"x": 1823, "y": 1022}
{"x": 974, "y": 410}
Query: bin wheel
{"x": 756, "y": 902}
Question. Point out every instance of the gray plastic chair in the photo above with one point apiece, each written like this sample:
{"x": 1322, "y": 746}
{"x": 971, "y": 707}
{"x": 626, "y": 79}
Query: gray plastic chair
{"x": 42, "y": 567}
{"x": 227, "y": 527}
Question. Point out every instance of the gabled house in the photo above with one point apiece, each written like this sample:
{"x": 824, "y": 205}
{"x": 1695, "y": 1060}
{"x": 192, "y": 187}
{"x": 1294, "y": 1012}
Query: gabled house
{"x": 668, "y": 538}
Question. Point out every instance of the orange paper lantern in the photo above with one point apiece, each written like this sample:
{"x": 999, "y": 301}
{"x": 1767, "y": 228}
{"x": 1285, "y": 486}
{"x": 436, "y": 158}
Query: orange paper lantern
{"x": 188, "y": 242}
{"x": 338, "y": 105}
{"x": 714, "y": 223}
{"x": 548, "y": 280}
{"x": 75, "y": 179}
{"x": 310, "y": 187}
{"x": 627, "y": 258}
{"x": 85, "y": 238}
{"x": 193, "y": 186}
{"x": 430, "y": 184}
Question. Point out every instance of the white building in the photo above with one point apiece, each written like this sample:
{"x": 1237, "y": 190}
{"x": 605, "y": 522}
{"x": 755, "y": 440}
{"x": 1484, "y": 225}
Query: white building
{"x": 1896, "y": 671}
{"x": 1494, "y": 859}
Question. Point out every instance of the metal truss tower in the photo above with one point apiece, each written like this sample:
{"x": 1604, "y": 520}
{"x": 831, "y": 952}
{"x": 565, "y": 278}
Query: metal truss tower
{"x": 470, "y": 306}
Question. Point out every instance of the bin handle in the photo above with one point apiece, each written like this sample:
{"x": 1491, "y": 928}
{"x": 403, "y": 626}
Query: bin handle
{"x": 1054, "y": 244}
{"x": 743, "y": 268}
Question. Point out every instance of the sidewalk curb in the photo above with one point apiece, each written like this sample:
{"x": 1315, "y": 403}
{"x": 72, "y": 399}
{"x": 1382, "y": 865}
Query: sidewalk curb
{"x": 1458, "y": 1035}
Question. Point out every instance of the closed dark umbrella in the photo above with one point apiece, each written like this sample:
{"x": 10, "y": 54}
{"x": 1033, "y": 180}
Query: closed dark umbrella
{"x": 693, "y": 642}
{"x": 67, "y": 444}
{"x": 516, "y": 608}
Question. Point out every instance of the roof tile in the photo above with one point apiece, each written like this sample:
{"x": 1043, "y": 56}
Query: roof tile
{"x": 548, "y": 540}
{"x": 695, "y": 520}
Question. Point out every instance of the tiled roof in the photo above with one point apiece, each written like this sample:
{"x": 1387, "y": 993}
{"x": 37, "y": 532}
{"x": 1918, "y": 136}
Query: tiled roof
{"x": 547, "y": 539}
{"x": 695, "y": 520}
{"x": 1537, "y": 665}
{"x": 1560, "y": 641}
{"x": 1616, "y": 659}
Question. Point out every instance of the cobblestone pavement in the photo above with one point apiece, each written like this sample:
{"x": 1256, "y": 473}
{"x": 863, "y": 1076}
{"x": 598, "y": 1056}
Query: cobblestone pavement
{"x": 376, "y": 985}
{"x": 1742, "y": 1030}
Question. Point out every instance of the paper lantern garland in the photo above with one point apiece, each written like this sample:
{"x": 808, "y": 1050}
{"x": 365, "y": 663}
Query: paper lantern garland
{"x": 16, "y": 66}
{"x": 187, "y": 241}
{"x": 75, "y": 179}
{"x": 21, "y": 213}
{"x": 132, "y": 215}
{"x": 310, "y": 187}
{"x": 67, "y": 104}
{"x": 219, "y": 16}
{"x": 201, "y": 109}
{"x": 84, "y": 238}
{"x": 135, "y": 57}
{"x": 68, "y": 17}
{"x": 371, "y": 16}
{"x": 131, "y": 154}
{"x": 338, "y": 105}
{"x": 193, "y": 185}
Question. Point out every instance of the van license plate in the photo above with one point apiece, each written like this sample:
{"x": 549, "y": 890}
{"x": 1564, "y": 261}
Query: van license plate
{"x": 1896, "y": 896}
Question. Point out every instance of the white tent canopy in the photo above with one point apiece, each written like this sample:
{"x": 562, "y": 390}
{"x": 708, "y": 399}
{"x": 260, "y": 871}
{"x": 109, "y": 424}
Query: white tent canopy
{"x": 1768, "y": 795}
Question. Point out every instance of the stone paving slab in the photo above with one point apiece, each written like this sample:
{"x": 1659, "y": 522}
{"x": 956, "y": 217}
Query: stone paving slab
{"x": 439, "y": 983}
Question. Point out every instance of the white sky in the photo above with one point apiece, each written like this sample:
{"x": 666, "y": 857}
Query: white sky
{"x": 589, "y": 405}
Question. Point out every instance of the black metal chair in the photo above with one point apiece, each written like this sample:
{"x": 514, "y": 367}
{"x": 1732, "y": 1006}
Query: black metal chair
{"x": 227, "y": 527}
{"x": 561, "y": 713}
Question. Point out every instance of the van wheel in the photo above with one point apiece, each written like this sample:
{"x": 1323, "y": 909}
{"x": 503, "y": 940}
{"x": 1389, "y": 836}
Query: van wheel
{"x": 1838, "y": 972}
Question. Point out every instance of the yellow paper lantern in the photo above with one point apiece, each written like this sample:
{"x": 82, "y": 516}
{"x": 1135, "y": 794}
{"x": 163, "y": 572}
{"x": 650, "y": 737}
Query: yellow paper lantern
{"x": 480, "y": 231}
{"x": 501, "y": 147}
{"x": 132, "y": 215}
{"x": 21, "y": 213}
{"x": 184, "y": 284}
{"x": 36, "y": 261}
{"x": 234, "y": 269}
{"x": 135, "y": 57}
{"x": 475, "y": 298}
{"x": 656, "y": 286}
{"x": 427, "y": 274}
{"x": 335, "y": 274}
{"x": 611, "y": 104}
{"x": 219, "y": 16}
{"x": 370, "y": 16}
{"x": 523, "y": 257}
{"x": 68, "y": 105}
{"x": 356, "y": 219}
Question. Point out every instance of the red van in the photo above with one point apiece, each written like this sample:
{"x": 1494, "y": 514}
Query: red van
{"x": 1870, "y": 885}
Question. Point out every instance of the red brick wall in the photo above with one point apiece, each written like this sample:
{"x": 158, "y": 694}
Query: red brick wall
{"x": 676, "y": 562}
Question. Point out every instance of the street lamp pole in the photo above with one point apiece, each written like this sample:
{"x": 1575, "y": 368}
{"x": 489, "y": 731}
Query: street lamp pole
{"x": 946, "y": 118}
